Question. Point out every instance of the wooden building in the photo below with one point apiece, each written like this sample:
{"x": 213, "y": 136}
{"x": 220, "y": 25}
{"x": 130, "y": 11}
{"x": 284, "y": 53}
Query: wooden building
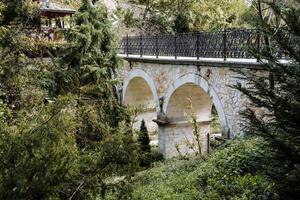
{"x": 54, "y": 17}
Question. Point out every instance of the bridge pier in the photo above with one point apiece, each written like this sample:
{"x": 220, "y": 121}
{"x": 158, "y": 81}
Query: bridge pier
{"x": 180, "y": 139}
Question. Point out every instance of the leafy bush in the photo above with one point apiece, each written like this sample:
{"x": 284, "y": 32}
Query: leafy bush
{"x": 5, "y": 112}
{"x": 172, "y": 179}
{"x": 38, "y": 157}
{"x": 239, "y": 187}
{"x": 121, "y": 190}
{"x": 181, "y": 23}
{"x": 155, "y": 154}
{"x": 236, "y": 171}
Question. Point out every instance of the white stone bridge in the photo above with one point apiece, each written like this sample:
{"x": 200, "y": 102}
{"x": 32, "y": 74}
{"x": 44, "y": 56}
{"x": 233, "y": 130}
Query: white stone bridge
{"x": 171, "y": 89}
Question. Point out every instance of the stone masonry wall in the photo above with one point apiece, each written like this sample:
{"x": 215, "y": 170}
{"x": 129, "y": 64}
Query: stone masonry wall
{"x": 219, "y": 80}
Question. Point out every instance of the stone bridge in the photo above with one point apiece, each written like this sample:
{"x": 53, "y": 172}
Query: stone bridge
{"x": 173, "y": 90}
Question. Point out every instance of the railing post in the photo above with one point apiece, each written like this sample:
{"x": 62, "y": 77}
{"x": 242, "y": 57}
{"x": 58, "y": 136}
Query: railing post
{"x": 258, "y": 43}
{"x": 198, "y": 45}
{"x": 175, "y": 45}
{"x": 127, "y": 45}
{"x": 141, "y": 46}
{"x": 224, "y": 44}
{"x": 156, "y": 46}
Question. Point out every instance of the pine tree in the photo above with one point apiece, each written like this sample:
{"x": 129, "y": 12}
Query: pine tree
{"x": 143, "y": 138}
{"x": 144, "y": 144}
{"x": 62, "y": 150}
{"x": 88, "y": 68}
{"x": 277, "y": 95}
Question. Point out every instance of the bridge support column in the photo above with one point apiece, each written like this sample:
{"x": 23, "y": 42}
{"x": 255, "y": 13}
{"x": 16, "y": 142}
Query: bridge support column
{"x": 180, "y": 139}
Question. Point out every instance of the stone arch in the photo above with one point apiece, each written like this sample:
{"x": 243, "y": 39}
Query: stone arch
{"x": 140, "y": 77}
{"x": 205, "y": 90}
{"x": 139, "y": 89}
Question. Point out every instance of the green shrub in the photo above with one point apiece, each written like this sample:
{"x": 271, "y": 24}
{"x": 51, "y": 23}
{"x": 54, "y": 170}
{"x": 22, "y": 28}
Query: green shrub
{"x": 181, "y": 23}
{"x": 172, "y": 179}
{"x": 236, "y": 172}
{"x": 121, "y": 190}
{"x": 38, "y": 156}
{"x": 5, "y": 112}
{"x": 144, "y": 143}
{"x": 155, "y": 154}
{"x": 143, "y": 138}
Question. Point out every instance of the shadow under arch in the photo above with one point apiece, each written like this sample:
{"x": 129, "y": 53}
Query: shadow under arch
{"x": 139, "y": 90}
{"x": 197, "y": 80}
{"x": 139, "y": 77}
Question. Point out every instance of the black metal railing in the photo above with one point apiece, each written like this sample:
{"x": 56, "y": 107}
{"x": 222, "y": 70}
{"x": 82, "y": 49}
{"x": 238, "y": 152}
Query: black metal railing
{"x": 220, "y": 44}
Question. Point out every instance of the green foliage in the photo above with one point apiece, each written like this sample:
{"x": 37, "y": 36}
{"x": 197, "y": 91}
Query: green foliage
{"x": 90, "y": 54}
{"x": 236, "y": 171}
{"x": 119, "y": 152}
{"x": 20, "y": 73}
{"x": 169, "y": 16}
{"x": 66, "y": 147}
{"x": 171, "y": 179}
{"x": 196, "y": 132}
{"x": 219, "y": 14}
{"x": 276, "y": 94}
{"x": 118, "y": 191}
{"x": 39, "y": 155}
{"x": 41, "y": 158}
{"x": 5, "y": 113}
{"x": 18, "y": 88}
{"x": 24, "y": 12}
{"x": 129, "y": 19}
{"x": 241, "y": 187}
{"x": 88, "y": 68}
{"x": 73, "y": 3}
{"x": 143, "y": 138}
{"x": 181, "y": 23}
{"x": 215, "y": 126}
{"x": 144, "y": 145}
{"x": 158, "y": 22}
{"x": 156, "y": 155}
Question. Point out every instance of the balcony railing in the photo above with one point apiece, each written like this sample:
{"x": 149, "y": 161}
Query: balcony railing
{"x": 220, "y": 44}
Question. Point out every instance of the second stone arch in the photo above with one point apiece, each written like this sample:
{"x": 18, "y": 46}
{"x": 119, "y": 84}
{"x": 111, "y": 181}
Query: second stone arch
{"x": 188, "y": 103}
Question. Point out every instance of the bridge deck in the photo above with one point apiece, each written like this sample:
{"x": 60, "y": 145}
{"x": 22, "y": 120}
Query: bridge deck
{"x": 216, "y": 62}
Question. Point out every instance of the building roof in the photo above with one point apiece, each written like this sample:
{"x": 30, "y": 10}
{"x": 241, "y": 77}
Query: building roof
{"x": 48, "y": 6}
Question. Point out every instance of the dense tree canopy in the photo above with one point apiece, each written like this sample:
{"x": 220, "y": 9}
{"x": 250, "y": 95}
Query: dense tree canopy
{"x": 66, "y": 147}
{"x": 277, "y": 94}
{"x": 192, "y": 15}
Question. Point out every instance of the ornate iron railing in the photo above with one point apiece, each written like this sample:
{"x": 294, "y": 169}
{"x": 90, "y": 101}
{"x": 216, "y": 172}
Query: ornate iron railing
{"x": 220, "y": 44}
